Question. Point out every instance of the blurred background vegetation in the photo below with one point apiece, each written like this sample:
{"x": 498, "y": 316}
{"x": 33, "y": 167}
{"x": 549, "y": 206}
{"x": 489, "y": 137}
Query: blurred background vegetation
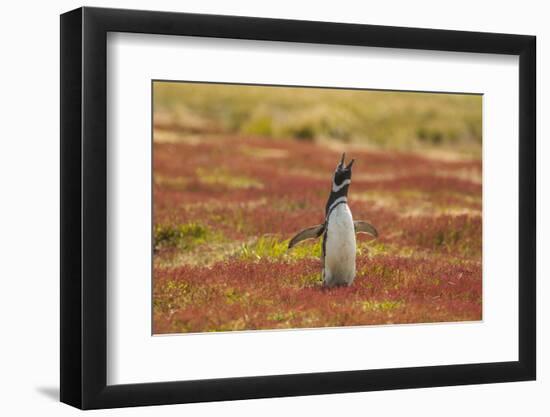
{"x": 386, "y": 119}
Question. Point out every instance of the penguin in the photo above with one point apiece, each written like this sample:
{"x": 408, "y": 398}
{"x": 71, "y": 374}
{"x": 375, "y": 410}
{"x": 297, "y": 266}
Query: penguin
{"x": 338, "y": 231}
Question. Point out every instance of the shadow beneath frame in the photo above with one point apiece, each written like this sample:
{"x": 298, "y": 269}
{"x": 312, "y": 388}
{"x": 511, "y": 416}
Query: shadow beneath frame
{"x": 50, "y": 392}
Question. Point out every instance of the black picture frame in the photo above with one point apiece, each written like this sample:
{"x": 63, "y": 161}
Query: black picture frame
{"x": 84, "y": 207}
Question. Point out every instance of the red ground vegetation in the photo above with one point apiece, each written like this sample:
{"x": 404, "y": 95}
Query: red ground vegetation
{"x": 224, "y": 208}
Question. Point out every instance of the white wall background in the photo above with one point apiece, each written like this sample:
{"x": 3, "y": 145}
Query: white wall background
{"x": 29, "y": 225}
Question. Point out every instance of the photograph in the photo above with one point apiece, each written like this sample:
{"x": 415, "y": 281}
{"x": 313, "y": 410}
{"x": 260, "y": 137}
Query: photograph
{"x": 300, "y": 207}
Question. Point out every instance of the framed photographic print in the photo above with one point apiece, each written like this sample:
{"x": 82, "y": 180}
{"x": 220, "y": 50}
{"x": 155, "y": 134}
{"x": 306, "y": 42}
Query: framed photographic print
{"x": 257, "y": 207}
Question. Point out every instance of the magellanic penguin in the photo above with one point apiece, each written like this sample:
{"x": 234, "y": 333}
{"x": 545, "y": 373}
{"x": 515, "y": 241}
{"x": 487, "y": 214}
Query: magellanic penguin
{"x": 338, "y": 231}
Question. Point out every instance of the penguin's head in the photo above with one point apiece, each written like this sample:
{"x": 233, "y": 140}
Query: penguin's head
{"x": 343, "y": 173}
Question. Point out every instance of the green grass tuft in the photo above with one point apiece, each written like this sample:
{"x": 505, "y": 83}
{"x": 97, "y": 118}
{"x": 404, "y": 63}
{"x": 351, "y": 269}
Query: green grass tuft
{"x": 271, "y": 248}
{"x": 385, "y": 305}
{"x": 182, "y": 236}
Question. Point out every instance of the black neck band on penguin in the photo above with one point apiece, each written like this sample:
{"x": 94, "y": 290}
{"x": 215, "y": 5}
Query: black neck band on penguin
{"x": 335, "y": 195}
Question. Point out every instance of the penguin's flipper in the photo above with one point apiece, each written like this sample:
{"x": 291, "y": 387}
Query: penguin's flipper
{"x": 365, "y": 227}
{"x": 309, "y": 233}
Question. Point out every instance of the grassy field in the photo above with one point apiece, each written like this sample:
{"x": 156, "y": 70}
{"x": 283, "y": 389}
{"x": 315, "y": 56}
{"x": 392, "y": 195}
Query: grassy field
{"x": 228, "y": 197}
{"x": 384, "y": 119}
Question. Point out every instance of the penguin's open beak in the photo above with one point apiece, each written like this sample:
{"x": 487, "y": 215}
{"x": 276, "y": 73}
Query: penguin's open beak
{"x": 341, "y": 164}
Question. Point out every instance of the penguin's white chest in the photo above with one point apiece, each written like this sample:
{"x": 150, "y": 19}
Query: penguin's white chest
{"x": 340, "y": 248}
